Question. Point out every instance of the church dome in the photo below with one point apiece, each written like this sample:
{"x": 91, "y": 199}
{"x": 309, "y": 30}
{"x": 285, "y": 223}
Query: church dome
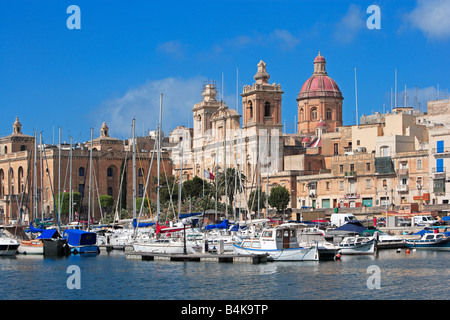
{"x": 319, "y": 84}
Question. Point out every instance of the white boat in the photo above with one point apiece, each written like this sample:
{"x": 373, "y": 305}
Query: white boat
{"x": 166, "y": 245}
{"x": 357, "y": 245}
{"x": 327, "y": 250}
{"x": 280, "y": 243}
{"x": 434, "y": 241}
{"x": 34, "y": 246}
{"x": 8, "y": 246}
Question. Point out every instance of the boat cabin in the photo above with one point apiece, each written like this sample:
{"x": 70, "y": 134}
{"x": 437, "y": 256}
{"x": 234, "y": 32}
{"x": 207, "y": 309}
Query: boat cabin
{"x": 274, "y": 239}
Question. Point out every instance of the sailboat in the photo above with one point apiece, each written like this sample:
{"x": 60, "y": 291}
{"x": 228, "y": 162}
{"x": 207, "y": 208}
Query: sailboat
{"x": 8, "y": 246}
{"x": 165, "y": 243}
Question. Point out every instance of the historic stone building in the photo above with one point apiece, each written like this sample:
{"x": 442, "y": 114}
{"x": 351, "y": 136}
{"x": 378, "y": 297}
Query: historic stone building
{"x": 21, "y": 181}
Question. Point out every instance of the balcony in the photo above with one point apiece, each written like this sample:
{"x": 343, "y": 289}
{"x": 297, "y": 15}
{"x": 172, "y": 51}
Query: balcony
{"x": 403, "y": 172}
{"x": 438, "y": 172}
{"x": 351, "y": 195}
{"x": 441, "y": 152}
{"x": 403, "y": 188}
{"x": 350, "y": 174}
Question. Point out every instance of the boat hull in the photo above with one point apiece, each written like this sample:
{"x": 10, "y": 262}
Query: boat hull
{"x": 291, "y": 254}
{"x": 154, "y": 247}
{"x": 357, "y": 249}
{"x": 89, "y": 249}
{"x": 430, "y": 245}
{"x": 55, "y": 247}
{"x": 8, "y": 249}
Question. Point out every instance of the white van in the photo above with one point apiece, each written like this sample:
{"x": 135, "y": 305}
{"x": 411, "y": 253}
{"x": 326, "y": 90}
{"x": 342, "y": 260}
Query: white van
{"x": 425, "y": 221}
{"x": 339, "y": 219}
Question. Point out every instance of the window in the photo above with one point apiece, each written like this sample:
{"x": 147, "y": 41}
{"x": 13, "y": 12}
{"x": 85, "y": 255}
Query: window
{"x": 329, "y": 114}
{"x": 267, "y": 110}
{"x": 352, "y": 167}
{"x": 301, "y": 116}
{"x": 341, "y": 168}
{"x": 368, "y": 183}
{"x": 336, "y": 149}
{"x": 367, "y": 166}
{"x": 110, "y": 191}
{"x": 140, "y": 172}
{"x": 439, "y": 165}
{"x": 341, "y": 185}
{"x": 250, "y": 109}
{"x": 81, "y": 172}
{"x": 384, "y": 151}
{"x": 440, "y": 146}
{"x": 384, "y": 183}
{"x": 358, "y": 142}
{"x": 327, "y": 185}
{"x": 404, "y": 181}
{"x": 314, "y": 113}
{"x": 419, "y": 164}
{"x": 109, "y": 172}
{"x": 267, "y": 234}
{"x": 141, "y": 190}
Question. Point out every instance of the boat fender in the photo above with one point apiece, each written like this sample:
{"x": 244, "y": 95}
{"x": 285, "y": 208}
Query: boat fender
{"x": 408, "y": 251}
{"x": 338, "y": 256}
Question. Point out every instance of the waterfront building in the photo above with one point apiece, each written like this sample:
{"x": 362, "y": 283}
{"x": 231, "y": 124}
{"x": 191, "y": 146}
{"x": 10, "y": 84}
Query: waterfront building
{"x": 18, "y": 194}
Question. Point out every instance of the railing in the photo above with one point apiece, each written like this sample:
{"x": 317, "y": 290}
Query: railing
{"x": 445, "y": 151}
{"x": 402, "y": 188}
{"x": 403, "y": 172}
{"x": 438, "y": 171}
{"x": 350, "y": 174}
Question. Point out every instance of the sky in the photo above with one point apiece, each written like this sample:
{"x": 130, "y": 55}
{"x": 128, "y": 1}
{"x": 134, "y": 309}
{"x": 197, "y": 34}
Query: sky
{"x": 126, "y": 53}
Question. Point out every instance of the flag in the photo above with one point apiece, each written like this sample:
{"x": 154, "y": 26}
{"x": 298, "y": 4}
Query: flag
{"x": 208, "y": 175}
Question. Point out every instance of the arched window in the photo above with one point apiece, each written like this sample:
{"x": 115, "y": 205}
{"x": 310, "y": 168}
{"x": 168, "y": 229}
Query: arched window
{"x": 81, "y": 172}
{"x": 109, "y": 172}
{"x": 301, "y": 115}
{"x": 267, "y": 109}
{"x": 20, "y": 180}
{"x": 140, "y": 172}
{"x": 23, "y": 148}
{"x": 250, "y": 109}
{"x": 314, "y": 113}
{"x": 329, "y": 114}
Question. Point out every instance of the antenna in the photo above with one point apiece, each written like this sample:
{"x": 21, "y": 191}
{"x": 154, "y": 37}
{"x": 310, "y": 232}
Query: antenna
{"x": 356, "y": 98}
{"x": 395, "y": 88}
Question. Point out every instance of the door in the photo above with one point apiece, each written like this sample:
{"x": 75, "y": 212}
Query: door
{"x": 286, "y": 239}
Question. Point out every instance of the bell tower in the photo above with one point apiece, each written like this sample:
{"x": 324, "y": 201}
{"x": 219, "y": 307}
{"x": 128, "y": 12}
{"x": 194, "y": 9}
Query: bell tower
{"x": 261, "y": 101}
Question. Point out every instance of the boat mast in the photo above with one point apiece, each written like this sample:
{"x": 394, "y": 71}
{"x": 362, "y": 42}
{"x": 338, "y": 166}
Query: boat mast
{"x": 90, "y": 181}
{"x": 158, "y": 205}
{"x": 35, "y": 198}
{"x": 59, "y": 175}
{"x": 181, "y": 179}
{"x": 70, "y": 183}
{"x": 134, "y": 168}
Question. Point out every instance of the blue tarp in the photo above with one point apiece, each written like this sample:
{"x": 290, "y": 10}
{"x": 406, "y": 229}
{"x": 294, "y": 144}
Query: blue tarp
{"x": 236, "y": 227}
{"x": 222, "y": 225}
{"x": 33, "y": 229}
{"x": 49, "y": 234}
{"x": 188, "y": 215}
{"x": 355, "y": 227}
{"x": 76, "y": 237}
{"x": 142, "y": 224}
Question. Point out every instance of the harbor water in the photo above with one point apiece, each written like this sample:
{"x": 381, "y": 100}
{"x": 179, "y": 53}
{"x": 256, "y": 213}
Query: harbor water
{"x": 388, "y": 275}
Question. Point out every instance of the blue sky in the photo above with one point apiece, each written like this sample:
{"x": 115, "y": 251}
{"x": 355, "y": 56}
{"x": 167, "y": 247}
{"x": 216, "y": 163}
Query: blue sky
{"x": 128, "y": 52}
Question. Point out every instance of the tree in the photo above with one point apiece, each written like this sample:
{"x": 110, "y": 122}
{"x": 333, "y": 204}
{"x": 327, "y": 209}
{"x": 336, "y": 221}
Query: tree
{"x": 106, "y": 202}
{"x": 65, "y": 199}
{"x": 231, "y": 185}
{"x": 279, "y": 198}
{"x": 253, "y": 200}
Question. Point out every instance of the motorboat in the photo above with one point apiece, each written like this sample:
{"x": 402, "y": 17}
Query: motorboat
{"x": 384, "y": 240}
{"x": 81, "y": 242}
{"x": 8, "y": 246}
{"x": 435, "y": 241}
{"x": 280, "y": 244}
{"x": 34, "y": 246}
{"x": 357, "y": 245}
{"x": 327, "y": 250}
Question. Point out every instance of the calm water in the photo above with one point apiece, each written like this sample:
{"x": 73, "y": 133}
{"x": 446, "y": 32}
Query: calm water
{"x": 418, "y": 275}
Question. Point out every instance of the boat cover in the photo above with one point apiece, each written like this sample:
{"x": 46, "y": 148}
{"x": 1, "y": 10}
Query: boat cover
{"x": 76, "y": 237}
{"x": 222, "y": 225}
{"x": 188, "y": 215}
{"x": 142, "y": 224}
{"x": 349, "y": 227}
{"x": 236, "y": 227}
{"x": 49, "y": 234}
{"x": 33, "y": 229}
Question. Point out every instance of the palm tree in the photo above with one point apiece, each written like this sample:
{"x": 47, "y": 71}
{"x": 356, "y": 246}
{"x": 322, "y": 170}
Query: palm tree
{"x": 232, "y": 183}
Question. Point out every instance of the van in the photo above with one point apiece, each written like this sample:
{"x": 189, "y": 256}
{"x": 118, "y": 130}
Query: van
{"x": 425, "y": 221}
{"x": 339, "y": 219}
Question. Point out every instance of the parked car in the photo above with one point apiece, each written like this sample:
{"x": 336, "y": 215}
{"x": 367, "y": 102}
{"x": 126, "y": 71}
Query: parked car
{"x": 403, "y": 222}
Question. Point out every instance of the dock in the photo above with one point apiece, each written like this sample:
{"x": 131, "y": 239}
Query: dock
{"x": 200, "y": 257}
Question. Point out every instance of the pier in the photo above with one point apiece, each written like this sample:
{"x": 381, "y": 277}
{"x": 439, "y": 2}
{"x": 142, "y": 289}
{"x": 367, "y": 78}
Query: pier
{"x": 228, "y": 258}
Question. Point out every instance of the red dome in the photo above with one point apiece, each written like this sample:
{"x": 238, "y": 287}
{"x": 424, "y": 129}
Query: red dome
{"x": 306, "y": 139}
{"x": 321, "y": 124}
{"x": 319, "y": 84}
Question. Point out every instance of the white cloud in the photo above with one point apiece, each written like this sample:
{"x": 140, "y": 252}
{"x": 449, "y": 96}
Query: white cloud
{"x": 350, "y": 24}
{"x": 142, "y": 103}
{"x": 281, "y": 38}
{"x": 432, "y": 17}
{"x": 175, "y": 48}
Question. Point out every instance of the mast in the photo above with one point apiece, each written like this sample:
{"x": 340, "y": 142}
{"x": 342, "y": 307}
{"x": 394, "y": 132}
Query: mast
{"x": 395, "y": 92}
{"x": 70, "y": 184}
{"x": 35, "y": 198}
{"x": 42, "y": 177}
{"x": 90, "y": 181}
{"x": 158, "y": 205}
{"x": 59, "y": 175}
{"x": 133, "y": 144}
{"x": 181, "y": 179}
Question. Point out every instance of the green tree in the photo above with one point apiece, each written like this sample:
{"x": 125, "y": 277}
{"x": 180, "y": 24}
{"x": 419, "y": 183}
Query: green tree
{"x": 65, "y": 200}
{"x": 279, "y": 198}
{"x": 107, "y": 202}
{"x": 253, "y": 200}
{"x": 231, "y": 183}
